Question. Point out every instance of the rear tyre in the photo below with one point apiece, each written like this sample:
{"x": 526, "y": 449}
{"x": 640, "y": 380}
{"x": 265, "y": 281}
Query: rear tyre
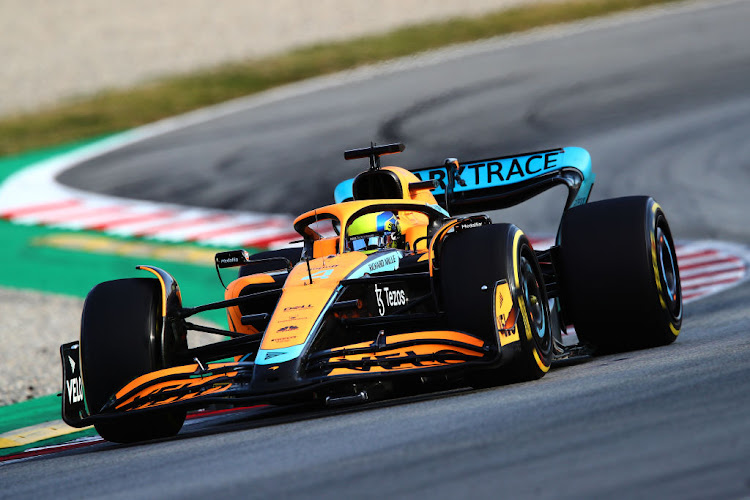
{"x": 472, "y": 262}
{"x": 619, "y": 275}
{"x": 120, "y": 340}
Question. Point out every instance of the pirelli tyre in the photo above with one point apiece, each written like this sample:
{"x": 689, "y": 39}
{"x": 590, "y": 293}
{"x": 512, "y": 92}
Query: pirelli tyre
{"x": 619, "y": 276}
{"x": 480, "y": 266}
{"x": 120, "y": 337}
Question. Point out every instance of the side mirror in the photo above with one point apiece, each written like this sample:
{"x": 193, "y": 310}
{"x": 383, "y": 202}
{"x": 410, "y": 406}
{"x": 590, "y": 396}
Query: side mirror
{"x": 232, "y": 258}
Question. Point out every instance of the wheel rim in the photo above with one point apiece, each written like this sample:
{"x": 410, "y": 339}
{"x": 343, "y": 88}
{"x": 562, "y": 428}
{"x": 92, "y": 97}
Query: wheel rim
{"x": 534, "y": 300}
{"x": 667, "y": 261}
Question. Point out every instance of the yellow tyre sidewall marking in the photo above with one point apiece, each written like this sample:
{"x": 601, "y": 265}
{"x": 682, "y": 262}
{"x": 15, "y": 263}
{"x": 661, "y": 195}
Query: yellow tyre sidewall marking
{"x": 163, "y": 289}
{"x": 655, "y": 263}
{"x": 522, "y": 305}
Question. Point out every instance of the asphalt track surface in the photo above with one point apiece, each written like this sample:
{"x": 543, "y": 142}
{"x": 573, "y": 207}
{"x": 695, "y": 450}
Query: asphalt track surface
{"x": 662, "y": 104}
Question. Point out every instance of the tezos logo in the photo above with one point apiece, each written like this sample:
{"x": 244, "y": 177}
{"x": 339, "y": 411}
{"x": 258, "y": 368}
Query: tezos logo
{"x": 390, "y": 298}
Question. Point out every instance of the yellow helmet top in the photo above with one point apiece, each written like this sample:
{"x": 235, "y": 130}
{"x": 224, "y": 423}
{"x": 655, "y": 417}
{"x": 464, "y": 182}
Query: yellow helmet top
{"x": 373, "y": 231}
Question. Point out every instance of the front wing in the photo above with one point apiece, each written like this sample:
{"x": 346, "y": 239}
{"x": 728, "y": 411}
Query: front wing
{"x": 239, "y": 383}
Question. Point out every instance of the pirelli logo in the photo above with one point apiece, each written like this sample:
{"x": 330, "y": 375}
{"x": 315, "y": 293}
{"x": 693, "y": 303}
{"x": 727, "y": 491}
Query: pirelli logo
{"x": 505, "y": 314}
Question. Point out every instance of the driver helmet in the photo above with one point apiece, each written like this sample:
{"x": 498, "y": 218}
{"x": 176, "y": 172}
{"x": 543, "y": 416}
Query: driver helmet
{"x": 372, "y": 232}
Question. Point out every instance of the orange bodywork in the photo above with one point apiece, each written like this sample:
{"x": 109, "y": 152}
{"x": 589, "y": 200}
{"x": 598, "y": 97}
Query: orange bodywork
{"x": 340, "y": 321}
{"x": 403, "y": 352}
{"x": 423, "y": 195}
{"x": 234, "y": 316}
{"x": 413, "y": 223}
{"x": 189, "y": 379}
{"x": 302, "y": 301}
{"x": 326, "y": 247}
{"x": 307, "y": 292}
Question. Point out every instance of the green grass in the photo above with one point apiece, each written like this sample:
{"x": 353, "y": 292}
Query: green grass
{"x": 28, "y": 413}
{"x": 38, "y": 265}
{"x": 117, "y": 110}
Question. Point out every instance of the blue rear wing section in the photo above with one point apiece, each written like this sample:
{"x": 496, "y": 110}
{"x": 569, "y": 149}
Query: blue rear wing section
{"x": 513, "y": 170}
{"x": 505, "y": 181}
{"x": 343, "y": 191}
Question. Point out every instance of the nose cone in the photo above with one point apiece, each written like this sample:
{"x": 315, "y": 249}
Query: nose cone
{"x": 276, "y": 377}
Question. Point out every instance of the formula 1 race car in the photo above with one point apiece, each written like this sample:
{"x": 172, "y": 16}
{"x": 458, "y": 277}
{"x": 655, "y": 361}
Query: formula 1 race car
{"x": 398, "y": 288}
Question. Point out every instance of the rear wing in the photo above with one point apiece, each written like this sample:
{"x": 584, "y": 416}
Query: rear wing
{"x": 504, "y": 181}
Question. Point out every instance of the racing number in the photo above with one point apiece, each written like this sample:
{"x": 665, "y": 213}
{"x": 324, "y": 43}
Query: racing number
{"x": 321, "y": 274}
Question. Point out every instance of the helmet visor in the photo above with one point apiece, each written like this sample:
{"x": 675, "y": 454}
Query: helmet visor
{"x": 365, "y": 242}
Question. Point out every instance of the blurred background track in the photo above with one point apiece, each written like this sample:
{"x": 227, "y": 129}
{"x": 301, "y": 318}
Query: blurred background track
{"x": 54, "y": 50}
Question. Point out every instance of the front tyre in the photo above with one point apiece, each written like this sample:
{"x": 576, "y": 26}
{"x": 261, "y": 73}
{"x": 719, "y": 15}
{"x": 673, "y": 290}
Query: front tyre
{"x": 482, "y": 268}
{"x": 120, "y": 340}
